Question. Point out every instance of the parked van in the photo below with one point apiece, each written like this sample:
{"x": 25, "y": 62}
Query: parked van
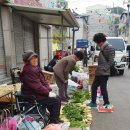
{"x": 119, "y": 45}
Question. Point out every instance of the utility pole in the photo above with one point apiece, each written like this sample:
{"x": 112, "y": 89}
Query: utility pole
{"x": 128, "y": 5}
{"x": 128, "y": 20}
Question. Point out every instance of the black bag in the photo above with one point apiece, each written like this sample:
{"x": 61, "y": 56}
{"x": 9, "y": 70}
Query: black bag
{"x": 113, "y": 69}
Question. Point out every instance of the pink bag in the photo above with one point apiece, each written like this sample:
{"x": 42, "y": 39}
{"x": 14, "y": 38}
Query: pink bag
{"x": 9, "y": 123}
{"x": 54, "y": 127}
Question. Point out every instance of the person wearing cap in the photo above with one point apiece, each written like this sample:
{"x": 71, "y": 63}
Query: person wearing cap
{"x": 62, "y": 70}
{"x": 34, "y": 83}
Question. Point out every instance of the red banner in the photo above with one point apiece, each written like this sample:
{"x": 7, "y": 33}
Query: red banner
{"x": 28, "y": 2}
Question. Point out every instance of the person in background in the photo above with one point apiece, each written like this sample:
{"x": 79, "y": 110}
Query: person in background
{"x": 85, "y": 60}
{"x": 34, "y": 83}
{"x": 69, "y": 51}
{"x": 62, "y": 70}
{"x": 105, "y": 61}
{"x": 75, "y": 50}
{"x": 51, "y": 64}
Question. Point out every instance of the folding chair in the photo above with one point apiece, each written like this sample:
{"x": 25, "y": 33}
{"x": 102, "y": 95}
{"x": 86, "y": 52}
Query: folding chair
{"x": 28, "y": 105}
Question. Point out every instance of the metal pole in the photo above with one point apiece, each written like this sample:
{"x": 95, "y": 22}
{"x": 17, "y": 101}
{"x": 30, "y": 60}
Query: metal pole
{"x": 62, "y": 31}
{"x": 128, "y": 23}
{"x": 12, "y": 107}
{"x": 73, "y": 41}
{"x": 48, "y": 44}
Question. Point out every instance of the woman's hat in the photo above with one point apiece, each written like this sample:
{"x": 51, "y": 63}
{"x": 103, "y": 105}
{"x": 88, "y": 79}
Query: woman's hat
{"x": 28, "y": 55}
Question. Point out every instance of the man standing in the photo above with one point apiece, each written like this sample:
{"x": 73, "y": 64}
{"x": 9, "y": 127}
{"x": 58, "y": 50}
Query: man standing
{"x": 105, "y": 61}
{"x": 85, "y": 61}
{"x": 62, "y": 70}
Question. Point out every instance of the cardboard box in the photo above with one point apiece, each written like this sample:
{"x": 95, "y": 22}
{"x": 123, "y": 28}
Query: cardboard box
{"x": 92, "y": 69}
{"x": 49, "y": 76}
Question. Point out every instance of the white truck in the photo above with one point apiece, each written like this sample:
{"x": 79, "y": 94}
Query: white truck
{"x": 119, "y": 45}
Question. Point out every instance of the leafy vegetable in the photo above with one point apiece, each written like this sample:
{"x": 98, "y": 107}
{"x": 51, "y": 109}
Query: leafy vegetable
{"x": 75, "y": 115}
{"x": 76, "y": 68}
{"x": 80, "y": 96}
{"x": 74, "y": 112}
{"x": 77, "y": 124}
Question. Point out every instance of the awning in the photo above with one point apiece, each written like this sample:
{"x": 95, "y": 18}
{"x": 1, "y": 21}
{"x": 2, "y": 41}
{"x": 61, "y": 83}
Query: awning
{"x": 46, "y": 15}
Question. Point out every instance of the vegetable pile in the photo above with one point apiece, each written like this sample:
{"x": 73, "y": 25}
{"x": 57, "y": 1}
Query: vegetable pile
{"x": 78, "y": 69}
{"x": 77, "y": 113}
{"x": 80, "y": 96}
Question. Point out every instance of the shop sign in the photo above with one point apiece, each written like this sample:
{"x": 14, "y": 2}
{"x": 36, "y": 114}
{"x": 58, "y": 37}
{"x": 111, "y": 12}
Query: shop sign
{"x": 63, "y": 4}
{"x": 28, "y": 2}
{"x": 39, "y": 3}
{"x": 80, "y": 43}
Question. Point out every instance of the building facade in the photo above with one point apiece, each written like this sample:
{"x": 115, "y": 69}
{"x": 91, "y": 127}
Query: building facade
{"x": 101, "y": 20}
{"x": 18, "y": 34}
{"x": 22, "y": 28}
{"x": 82, "y": 33}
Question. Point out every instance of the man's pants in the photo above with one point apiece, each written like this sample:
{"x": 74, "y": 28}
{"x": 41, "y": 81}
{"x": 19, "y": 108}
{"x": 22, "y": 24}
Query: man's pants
{"x": 129, "y": 63}
{"x": 85, "y": 61}
{"x": 62, "y": 87}
{"x": 102, "y": 82}
{"x": 53, "y": 105}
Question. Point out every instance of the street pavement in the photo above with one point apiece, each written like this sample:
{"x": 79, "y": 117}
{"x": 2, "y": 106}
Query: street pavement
{"x": 119, "y": 93}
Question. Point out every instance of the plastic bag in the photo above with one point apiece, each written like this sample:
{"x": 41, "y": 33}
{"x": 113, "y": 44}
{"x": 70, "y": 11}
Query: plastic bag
{"x": 9, "y": 123}
{"x": 72, "y": 83}
{"x": 27, "y": 123}
{"x": 64, "y": 126}
{"x": 36, "y": 125}
{"x": 54, "y": 127}
{"x": 81, "y": 76}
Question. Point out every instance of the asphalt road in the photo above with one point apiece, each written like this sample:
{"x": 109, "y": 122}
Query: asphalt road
{"x": 119, "y": 93}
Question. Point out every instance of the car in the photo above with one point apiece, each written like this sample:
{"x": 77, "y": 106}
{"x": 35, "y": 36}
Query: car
{"x": 121, "y": 54}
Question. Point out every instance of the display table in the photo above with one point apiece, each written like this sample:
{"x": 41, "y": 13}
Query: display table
{"x": 7, "y": 89}
{"x": 7, "y": 97}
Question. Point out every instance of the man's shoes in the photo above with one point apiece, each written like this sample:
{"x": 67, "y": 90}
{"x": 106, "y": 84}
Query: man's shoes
{"x": 92, "y": 105}
{"x": 67, "y": 97}
{"x": 64, "y": 100}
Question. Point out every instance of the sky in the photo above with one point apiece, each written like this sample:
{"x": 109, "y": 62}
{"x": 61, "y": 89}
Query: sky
{"x": 81, "y": 5}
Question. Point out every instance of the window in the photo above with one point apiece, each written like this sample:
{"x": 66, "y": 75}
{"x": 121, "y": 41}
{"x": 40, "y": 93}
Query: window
{"x": 118, "y": 44}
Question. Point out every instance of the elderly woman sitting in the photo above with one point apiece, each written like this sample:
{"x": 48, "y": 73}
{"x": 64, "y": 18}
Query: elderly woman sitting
{"x": 34, "y": 83}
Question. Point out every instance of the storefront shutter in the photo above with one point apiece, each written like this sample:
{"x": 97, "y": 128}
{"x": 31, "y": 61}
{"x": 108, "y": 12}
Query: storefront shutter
{"x": 18, "y": 37}
{"x": 28, "y": 34}
{"x": 2, "y": 54}
{"x": 23, "y": 35}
